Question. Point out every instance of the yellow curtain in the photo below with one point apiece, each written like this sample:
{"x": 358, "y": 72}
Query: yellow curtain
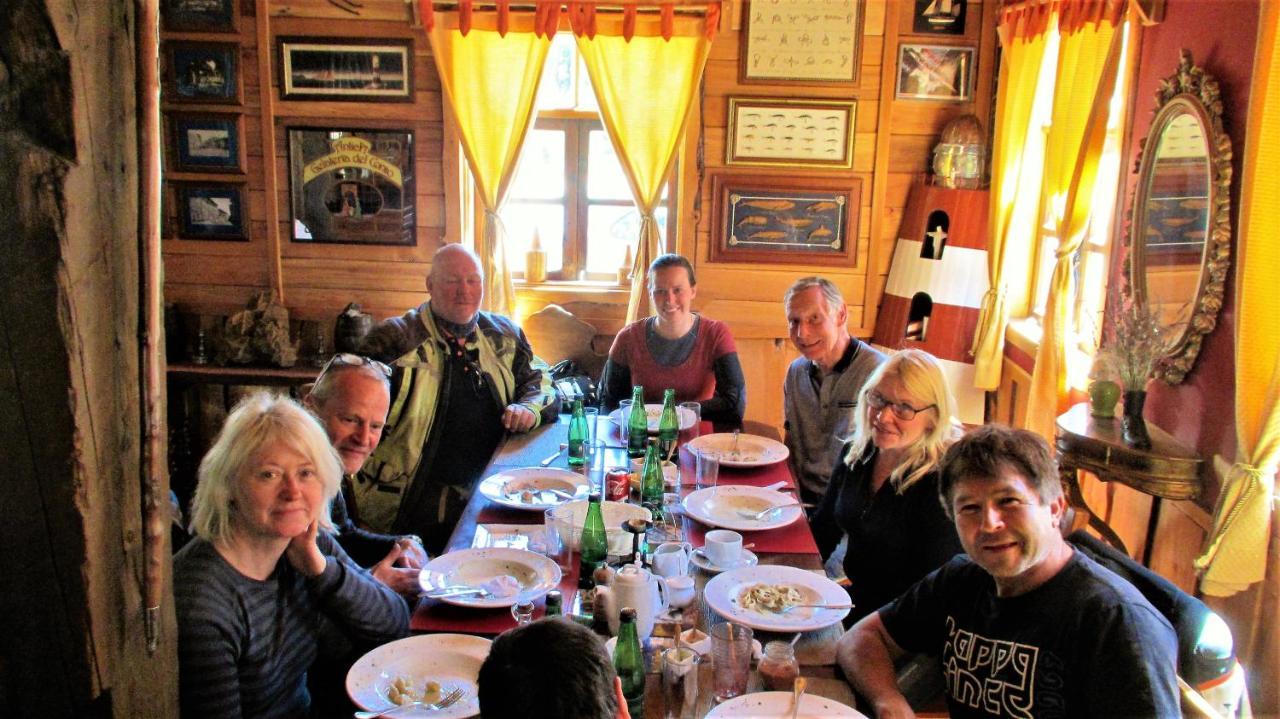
{"x": 1014, "y": 184}
{"x": 1235, "y": 554}
{"x": 1088, "y": 60}
{"x": 490, "y": 80}
{"x": 645, "y": 87}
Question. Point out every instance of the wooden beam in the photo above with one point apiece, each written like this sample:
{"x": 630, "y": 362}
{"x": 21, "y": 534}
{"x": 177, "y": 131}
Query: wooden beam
{"x": 262, "y": 24}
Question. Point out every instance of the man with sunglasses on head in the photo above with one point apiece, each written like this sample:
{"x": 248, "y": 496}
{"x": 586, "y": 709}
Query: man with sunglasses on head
{"x": 350, "y": 398}
{"x": 1025, "y": 624}
{"x": 819, "y": 394}
{"x": 463, "y": 378}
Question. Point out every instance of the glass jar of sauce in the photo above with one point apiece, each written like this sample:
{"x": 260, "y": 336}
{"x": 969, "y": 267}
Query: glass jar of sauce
{"x": 778, "y": 667}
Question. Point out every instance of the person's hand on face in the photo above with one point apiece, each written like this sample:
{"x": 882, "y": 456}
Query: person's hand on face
{"x": 280, "y": 496}
{"x": 304, "y": 554}
{"x": 404, "y": 580}
{"x": 518, "y": 418}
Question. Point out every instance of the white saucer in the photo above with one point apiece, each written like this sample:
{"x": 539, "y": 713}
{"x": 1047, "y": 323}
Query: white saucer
{"x": 701, "y": 561}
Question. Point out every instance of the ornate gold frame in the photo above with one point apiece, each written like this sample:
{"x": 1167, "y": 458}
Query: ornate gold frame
{"x": 1190, "y": 88}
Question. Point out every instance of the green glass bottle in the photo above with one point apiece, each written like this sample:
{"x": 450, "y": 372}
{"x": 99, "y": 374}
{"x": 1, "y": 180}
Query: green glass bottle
{"x": 577, "y": 436}
{"x": 651, "y": 479}
{"x": 628, "y": 661}
{"x": 554, "y": 603}
{"x": 593, "y": 546}
{"x": 637, "y": 424}
{"x": 668, "y": 425}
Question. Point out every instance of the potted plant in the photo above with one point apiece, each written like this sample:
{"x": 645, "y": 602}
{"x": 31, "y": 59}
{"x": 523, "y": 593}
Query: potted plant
{"x": 1133, "y": 346}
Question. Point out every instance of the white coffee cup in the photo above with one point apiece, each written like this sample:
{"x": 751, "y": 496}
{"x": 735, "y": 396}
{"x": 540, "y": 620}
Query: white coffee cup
{"x": 723, "y": 547}
{"x": 682, "y": 591}
{"x": 671, "y": 559}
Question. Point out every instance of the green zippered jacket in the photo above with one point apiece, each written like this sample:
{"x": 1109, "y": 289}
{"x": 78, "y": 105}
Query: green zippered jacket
{"x": 416, "y": 348}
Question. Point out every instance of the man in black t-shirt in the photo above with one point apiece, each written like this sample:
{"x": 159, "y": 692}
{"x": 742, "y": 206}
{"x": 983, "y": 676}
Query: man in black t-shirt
{"x": 1025, "y": 625}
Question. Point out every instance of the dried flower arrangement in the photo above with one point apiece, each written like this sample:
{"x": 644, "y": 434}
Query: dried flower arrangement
{"x": 1135, "y": 342}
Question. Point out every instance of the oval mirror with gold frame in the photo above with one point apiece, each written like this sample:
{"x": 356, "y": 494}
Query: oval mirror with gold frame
{"x": 1180, "y": 235}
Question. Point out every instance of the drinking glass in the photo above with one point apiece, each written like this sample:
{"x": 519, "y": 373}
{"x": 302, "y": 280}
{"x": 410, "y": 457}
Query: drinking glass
{"x": 707, "y": 468}
{"x": 696, "y": 409}
{"x": 558, "y": 530}
{"x": 679, "y": 682}
{"x": 593, "y": 416}
{"x": 731, "y": 659}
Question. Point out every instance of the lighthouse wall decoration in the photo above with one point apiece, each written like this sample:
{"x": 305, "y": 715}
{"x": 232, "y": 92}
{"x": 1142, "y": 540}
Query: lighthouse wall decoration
{"x": 937, "y": 279}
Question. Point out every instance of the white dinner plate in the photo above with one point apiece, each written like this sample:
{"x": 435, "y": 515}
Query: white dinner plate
{"x": 719, "y": 507}
{"x": 653, "y": 412}
{"x": 752, "y": 449}
{"x": 700, "y": 560}
{"x": 535, "y": 574}
{"x": 452, "y": 660}
{"x": 724, "y": 592}
{"x": 508, "y": 487}
{"x": 763, "y": 705}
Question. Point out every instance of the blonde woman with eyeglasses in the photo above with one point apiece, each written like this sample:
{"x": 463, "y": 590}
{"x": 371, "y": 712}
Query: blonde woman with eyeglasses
{"x": 884, "y": 489}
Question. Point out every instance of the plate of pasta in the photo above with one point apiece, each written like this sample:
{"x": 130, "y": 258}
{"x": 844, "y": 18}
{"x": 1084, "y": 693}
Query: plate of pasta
{"x": 766, "y": 598}
{"x": 417, "y": 669}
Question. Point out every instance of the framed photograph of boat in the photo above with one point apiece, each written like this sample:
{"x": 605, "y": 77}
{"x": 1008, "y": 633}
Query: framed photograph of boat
{"x": 785, "y": 219}
{"x": 210, "y": 212}
{"x": 939, "y": 17}
{"x": 205, "y": 143}
{"x": 935, "y": 72}
{"x": 803, "y": 41}
{"x": 352, "y": 186}
{"x": 348, "y": 69}
{"x": 198, "y": 15}
{"x": 204, "y": 72}
{"x": 790, "y": 133}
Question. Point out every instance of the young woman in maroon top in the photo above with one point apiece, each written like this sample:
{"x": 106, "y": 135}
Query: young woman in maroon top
{"x": 677, "y": 349}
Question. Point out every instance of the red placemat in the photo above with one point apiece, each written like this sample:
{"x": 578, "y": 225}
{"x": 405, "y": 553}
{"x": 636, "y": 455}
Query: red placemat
{"x": 434, "y": 615}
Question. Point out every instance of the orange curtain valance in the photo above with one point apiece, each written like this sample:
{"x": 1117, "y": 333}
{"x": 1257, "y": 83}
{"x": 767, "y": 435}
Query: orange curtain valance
{"x": 1031, "y": 17}
{"x": 582, "y": 16}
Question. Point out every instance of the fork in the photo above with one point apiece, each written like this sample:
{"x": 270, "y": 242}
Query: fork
{"x": 757, "y": 516}
{"x": 447, "y": 700}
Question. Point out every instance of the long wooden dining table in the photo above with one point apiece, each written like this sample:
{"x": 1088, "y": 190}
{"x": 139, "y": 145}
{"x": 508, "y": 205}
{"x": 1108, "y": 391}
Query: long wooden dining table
{"x": 788, "y": 546}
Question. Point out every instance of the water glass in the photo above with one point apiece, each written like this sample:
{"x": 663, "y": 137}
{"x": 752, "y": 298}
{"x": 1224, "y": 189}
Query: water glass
{"x": 731, "y": 659}
{"x": 679, "y": 682}
{"x": 694, "y": 408}
{"x": 593, "y": 418}
{"x": 707, "y": 468}
{"x": 624, "y": 411}
{"x": 558, "y": 531}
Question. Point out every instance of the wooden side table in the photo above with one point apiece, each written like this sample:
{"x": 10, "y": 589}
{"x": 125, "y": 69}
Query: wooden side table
{"x": 1169, "y": 470}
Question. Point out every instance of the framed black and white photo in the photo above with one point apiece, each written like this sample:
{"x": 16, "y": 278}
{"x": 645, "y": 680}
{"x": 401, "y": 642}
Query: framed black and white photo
{"x": 198, "y": 15}
{"x": 346, "y": 69}
{"x": 939, "y": 17}
{"x": 204, "y": 72}
{"x": 211, "y": 212}
{"x": 790, "y": 133}
{"x": 206, "y": 143}
{"x": 935, "y": 72}
{"x": 352, "y": 186}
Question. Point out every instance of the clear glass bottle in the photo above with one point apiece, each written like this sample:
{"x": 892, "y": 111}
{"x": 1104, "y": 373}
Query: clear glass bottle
{"x": 637, "y": 424}
{"x": 778, "y": 667}
{"x": 668, "y": 425}
{"x": 628, "y": 661}
{"x": 577, "y": 435}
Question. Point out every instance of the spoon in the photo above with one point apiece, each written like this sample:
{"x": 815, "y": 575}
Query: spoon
{"x": 797, "y": 692}
{"x": 734, "y": 450}
{"x": 554, "y": 457}
{"x": 757, "y": 516}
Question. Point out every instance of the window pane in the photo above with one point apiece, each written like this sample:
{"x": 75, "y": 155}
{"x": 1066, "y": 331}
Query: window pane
{"x": 556, "y": 88}
{"x": 605, "y": 178}
{"x": 540, "y": 173}
{"x": 520, "y": 218}
{"x": 610, "y": 228}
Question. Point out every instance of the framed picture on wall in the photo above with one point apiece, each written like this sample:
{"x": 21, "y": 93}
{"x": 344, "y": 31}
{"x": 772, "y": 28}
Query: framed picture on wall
{"x": 198, "y": 15}
{"x": 794, "y": 133}
{"x": 785, "y": 219}
{"x": 205, "y": 143}
{"x": 347, "y": 69}
{"x": 935, "y": 72}
{"x": 204, "y": 72}
{"x": 809, "y": 41}
{"x": 211, "y": 212}
{"x": 352, "y": 186}
{"x": 939, "y": 17}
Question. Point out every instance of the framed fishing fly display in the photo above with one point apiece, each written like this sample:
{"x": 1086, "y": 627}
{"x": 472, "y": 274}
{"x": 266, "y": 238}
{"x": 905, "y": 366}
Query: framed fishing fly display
{"x": 785, "y": 219}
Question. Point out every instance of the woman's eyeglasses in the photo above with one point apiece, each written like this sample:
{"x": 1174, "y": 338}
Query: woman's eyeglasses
{"x": 350, "y": 359}
{"x": 901, "y": 410}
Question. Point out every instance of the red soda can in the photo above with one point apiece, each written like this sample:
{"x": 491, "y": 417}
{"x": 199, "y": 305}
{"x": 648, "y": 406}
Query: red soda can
{"x": 617, "y": 484}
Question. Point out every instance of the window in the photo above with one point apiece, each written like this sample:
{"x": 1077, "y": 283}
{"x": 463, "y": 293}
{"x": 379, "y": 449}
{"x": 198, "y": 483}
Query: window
{"x": 569, "y": 185}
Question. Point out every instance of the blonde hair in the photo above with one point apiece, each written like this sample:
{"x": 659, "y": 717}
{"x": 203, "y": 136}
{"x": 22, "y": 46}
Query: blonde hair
{"x": 922, "y": 377}
{"x": 258, "y": 420}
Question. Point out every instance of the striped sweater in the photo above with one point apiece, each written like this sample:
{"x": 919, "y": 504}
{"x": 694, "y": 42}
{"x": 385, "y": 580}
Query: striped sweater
{"x": 244, "y": 646}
